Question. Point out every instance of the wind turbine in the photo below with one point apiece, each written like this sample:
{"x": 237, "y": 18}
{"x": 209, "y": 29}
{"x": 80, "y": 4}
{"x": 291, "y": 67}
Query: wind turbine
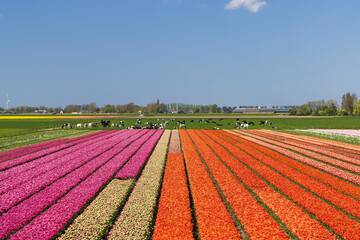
{"x": 7, "y": 101}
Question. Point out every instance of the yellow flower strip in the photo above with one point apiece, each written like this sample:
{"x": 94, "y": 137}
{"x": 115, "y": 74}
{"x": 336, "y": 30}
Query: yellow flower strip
{"x": 97, "y": 216}
{"x": 137, "y": 215}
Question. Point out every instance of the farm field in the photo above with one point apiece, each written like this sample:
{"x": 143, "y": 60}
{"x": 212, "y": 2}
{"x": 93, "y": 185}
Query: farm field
{"x": 181, "y": 184}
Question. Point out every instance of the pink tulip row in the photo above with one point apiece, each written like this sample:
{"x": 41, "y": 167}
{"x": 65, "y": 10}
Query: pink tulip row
{"x": 20, "y": 214}
{"x": 19, "y": 170}
{"x": 18, "y": 152}
{"x": 340, "y": 131}
{"x": 327, "y": 168}
{"x": 133, "y": 166}
{"x": 175, "y": 146}
{"x": 44, "y": 152}
{"x": 50, "y": 222}
{"x": 90, "y": 159}
{"x": 26, "y": 179}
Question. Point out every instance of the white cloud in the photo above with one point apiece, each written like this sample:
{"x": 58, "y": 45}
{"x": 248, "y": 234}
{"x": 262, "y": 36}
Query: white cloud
{"x": 1, "y": 15}
{"x": 251, "y": 5}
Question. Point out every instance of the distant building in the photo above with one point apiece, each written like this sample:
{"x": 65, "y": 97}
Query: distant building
{"x": 40, "y": 111}
{"x": 261, "y": 110}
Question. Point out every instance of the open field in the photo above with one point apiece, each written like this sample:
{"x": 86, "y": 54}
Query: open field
{"x": 181, "y": 184}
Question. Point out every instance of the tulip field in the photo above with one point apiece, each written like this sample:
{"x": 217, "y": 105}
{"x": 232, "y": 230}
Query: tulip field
{"x": 181, "y": 184}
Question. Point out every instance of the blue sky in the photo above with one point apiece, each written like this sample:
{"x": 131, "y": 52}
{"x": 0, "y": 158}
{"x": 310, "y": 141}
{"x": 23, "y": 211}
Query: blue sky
{"x": 228, "y": 52}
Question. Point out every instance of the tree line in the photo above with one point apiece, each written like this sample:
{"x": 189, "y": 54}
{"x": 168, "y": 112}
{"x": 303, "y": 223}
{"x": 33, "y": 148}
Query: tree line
{"x": 350, "y": 105}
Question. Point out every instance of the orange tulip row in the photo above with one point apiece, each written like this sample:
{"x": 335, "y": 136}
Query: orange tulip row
{"x": 173, "y": 219}
{"x": 213, "y": 219}
{"x": 347, "y": 203}
{"x": 297, "y": 221}
{"x": 326, "y": 178}
{"x": 257, "y": 222}
{"x": 311, "y": 154}
{"x": 341, "y": 173}
{"x": 337, "y": 220}
{"x": 294, "y": 141}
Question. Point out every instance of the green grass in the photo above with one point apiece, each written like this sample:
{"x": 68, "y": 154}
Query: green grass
{"x": 32, "y": 130}
{"x": 8, "y": 143}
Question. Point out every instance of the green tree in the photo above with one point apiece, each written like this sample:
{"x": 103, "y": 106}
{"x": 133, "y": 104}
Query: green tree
{"x": 347, "y": 103}
{"x": 356, "y": 108}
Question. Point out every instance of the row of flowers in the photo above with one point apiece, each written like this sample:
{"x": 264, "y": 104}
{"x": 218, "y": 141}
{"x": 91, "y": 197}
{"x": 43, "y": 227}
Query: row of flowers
{"x": 175, "y": 146}
{"x": 309, "y": 146}
{"x": 50, "y": 222}
{"x": 32, "y": 206}
{"x": 321, "y": 158}
{"x": 298, "y": 222}
{"x": 326, "y": 178}
{"x": 212, "y": 218}
{"x": 173, "y": 220}
{"x": 319, "y": 165}
{"x": 18, "y": 152}
{"x": 17, "y": 175}
{"x": 92, "y": 223}
{"x": 345, "y": 149}
{"x": 256, "y": 221}
{"x": 133, "y": 166}
{"x": 22, "y": 191}
{"x": 38, "y": 154}
{"x": 337, "y": 220}
{"x": 321, "y": 141}
{"x": 324, "y": 191}
{"x": 137, "y": 216}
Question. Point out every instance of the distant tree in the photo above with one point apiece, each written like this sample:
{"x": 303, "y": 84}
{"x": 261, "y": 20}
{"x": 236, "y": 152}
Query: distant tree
{"x": 303, "y": 110}
{"x": 347, "y": 103}
{"x": 356, "y": 109}
{"x": 109, "y": 108}
{"x": 72, "y": 108}
{"x": 130, "y": 107}
{"x": 151, "y": 108}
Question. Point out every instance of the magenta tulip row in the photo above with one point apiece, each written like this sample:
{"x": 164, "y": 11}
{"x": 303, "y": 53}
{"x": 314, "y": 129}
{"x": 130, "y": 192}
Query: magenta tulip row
{"x": 133, "y": 166}
{"x": 44, "y": 152}
{"x": 37, "y": 165}
{"x": 18, "y": 152}
{"x": 50, "y": 222}
{"x": 30, "y": 176}
{"x": 23, "y": 212}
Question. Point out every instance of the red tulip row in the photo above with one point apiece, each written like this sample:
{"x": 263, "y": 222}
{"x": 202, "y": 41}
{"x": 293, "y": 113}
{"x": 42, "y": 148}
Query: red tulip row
{"x": 337, "y": 220}
{"x": 257, "y": 222}
{"x": 298, "y": 222}
{"x": 303, "y": 159}
{"x": 213, "y": 219}
{"x": 314, "y": 155}
{"x": 293, "y": 141}
{"x": 335, "y": 197}
{"x": 326, "y": 178}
